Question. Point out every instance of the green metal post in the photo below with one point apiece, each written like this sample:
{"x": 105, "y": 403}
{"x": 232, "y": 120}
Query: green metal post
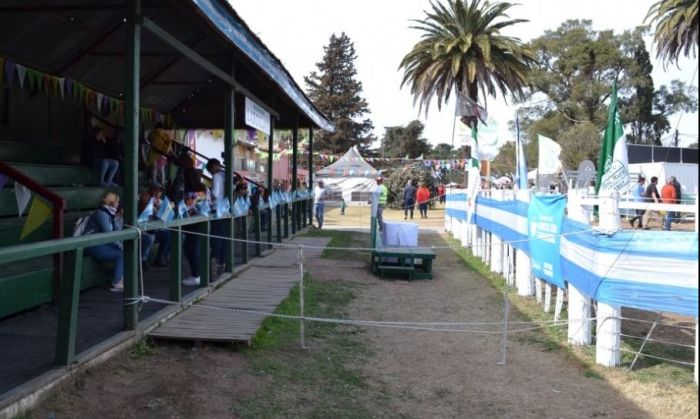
{"x": 304, "y": 211}
{"x": 295, "y": 153}
{"x": 244, "y": 237}
{"x": 311, "y": 172}
{"x": 256, "y": 229}
{"x": 285, "y": 218}
{"x": 204, "y": 254}
{"x": 229, "y": 143}
{"x": 176, "y": 264}
{"x": 270, "y": 148}
{"x": 68, "y": 307}
{"x": 132, "y": 71}
{"x": 278, "y": 222}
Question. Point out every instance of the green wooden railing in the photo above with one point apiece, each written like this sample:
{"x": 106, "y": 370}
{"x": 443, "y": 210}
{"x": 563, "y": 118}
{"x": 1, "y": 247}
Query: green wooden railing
{"x": 73, "y": 250}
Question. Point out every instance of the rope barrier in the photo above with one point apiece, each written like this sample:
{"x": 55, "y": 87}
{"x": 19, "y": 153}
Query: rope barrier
{"x": 372, "y": 249}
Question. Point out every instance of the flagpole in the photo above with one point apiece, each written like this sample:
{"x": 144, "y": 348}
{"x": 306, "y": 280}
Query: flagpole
{"x": 454, "y": 125}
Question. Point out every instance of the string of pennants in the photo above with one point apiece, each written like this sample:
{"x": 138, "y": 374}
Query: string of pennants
{"x": 64, "y": 88}
{"x": 435, "y": 163}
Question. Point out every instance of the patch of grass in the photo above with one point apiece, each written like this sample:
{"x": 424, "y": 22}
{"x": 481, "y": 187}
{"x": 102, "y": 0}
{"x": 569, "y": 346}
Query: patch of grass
{"x": 142, "y": 349}
{"x": 555, "y": 338}
{"x": 592, "y": 374}
{"x": 324, "y": 380}
{"x": 343, "y": 239}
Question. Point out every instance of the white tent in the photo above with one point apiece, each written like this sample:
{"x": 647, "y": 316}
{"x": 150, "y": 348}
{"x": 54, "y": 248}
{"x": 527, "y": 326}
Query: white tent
{"x": 350, "y": 176}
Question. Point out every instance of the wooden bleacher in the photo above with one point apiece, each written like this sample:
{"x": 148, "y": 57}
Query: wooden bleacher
{"x": 30, "y": 283}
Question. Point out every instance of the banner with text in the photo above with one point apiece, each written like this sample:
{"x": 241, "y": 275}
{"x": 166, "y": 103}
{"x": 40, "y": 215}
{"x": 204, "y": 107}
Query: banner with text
{"x": 257, "y": 117}
{"x": 544, "y": 218}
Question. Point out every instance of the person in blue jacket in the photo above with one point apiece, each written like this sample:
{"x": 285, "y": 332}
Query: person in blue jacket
{"x": 105, "y": 220}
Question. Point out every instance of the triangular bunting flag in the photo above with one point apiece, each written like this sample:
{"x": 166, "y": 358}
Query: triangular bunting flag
{"x": 21, "y": 74}
{"x": 23, "y": 195}
{"x": 39, "y": 212}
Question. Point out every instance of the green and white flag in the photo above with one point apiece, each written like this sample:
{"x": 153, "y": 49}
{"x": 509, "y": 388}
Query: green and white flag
{"x": 613, "y": 173}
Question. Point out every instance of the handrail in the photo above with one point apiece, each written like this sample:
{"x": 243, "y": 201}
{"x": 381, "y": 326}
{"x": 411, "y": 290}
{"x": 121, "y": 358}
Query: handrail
{"x": 58, "y": 204}
{"x": 196, "y": 153}
{"x": 48, "y": 247}
{"x": 33, "y": 185}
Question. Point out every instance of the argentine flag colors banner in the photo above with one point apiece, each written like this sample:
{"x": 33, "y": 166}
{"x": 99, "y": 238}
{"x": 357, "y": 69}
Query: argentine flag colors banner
{"x": 544, "y": 218}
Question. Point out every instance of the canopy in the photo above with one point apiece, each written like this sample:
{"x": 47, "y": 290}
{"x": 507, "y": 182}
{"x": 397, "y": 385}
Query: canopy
{"x": 351, "y": 164}
{"x": 350, "y": 177}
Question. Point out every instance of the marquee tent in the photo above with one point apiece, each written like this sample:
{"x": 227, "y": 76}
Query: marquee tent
{"x": 350, "y": 177}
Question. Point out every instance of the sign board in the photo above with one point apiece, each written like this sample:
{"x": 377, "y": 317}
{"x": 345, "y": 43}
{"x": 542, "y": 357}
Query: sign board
{"x": 544, "y": 217}
{"x": 257, "y": 117}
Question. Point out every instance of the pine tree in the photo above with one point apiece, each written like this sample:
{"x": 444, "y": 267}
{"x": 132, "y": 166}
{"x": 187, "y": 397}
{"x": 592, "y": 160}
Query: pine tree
{"x": 336, "y": 92}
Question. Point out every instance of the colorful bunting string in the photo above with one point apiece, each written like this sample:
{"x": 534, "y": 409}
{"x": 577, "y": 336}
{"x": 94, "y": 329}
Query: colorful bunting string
{"x": 62, "y": 88}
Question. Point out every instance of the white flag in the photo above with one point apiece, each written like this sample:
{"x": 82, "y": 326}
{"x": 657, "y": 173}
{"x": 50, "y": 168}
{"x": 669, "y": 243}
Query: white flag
{"x": 549, "y": 163}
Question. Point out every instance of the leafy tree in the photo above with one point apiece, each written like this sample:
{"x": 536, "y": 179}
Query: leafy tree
{"x": 405, "y": 140}
{"x": 442, "y": 151}
{"x": 336, "y": 92}
{"x": 676, "y": 28}
{"x": 417, "y": 173}
{"x": 576, "y": 67}
{"x": 461, "y": 48}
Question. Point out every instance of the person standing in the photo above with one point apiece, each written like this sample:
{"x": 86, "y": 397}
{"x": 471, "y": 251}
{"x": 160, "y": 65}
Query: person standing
{"x": 668, "y": 196}
{"x": 638, "y": 196}
{"x": 441, "y": 193}
{"x": 381, "y": 204}
{"x": 409, "y": 199}
{"x": 651, "y": 195}
{"x": 319, "y": 202}
{"x": 423, "y": 198}
{"x": 98, "y": 154}
{"x": 161, "y": 148}
{"x": 218, "y": 227}
{"x": 677, "y": 186}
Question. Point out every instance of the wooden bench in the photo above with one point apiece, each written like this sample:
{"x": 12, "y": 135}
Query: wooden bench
{"x": 404, "y": 262}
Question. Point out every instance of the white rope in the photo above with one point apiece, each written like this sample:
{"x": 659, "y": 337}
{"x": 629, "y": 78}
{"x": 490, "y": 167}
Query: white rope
{"x": 680, "y": 326}
{"x": 374, "y": 249}
{"x": 675, "y": 361}
{"x": 656, "y": 340}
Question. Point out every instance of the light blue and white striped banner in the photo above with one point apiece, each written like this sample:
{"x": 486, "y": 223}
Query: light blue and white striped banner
{"x": 647, "y": 270}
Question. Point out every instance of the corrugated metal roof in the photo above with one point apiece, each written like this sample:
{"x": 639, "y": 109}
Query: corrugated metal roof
{"x": 84, "y": 41}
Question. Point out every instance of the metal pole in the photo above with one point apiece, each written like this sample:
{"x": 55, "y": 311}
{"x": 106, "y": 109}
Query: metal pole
{"x": 229, "y": 142}
{"x": 311, "y": 171}
{"x": 504, "y": 338}
{"x": 295, "y": 206}
{"x": 270, "y": 146}
{"x": 132, "y": 67}
{"x": 301, "y": 297}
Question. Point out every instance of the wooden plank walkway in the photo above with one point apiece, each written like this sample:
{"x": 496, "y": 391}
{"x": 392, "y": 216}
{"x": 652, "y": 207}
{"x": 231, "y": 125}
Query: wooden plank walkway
{"x": 262, "y": 287}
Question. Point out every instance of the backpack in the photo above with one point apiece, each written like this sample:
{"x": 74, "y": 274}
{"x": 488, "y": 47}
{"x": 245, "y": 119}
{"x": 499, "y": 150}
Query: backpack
{"x": 80, "y": 226}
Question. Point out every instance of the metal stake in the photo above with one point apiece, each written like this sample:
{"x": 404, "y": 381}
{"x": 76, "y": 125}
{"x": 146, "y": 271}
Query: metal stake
{"x": 301, "y": 297}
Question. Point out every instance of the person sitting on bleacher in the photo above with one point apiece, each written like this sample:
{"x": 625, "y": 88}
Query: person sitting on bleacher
{"x": 160, "y": 236}
{"x": 104, "y": 220}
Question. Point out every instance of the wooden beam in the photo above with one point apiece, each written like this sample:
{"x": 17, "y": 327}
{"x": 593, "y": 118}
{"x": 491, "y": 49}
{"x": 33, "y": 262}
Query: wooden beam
{"x": 94, "y": 44}
{"x": 201, "y": 61}
{"x": 190, "y": 44}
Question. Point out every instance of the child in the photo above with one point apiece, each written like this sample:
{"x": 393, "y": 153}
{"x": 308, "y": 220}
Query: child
{"x": 342, "y": 206}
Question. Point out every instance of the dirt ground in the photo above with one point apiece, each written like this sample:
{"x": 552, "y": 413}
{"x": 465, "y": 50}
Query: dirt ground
{"x": 415, "y": 374}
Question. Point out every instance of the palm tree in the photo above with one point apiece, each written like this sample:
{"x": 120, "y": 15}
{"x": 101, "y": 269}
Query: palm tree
{"x": 676, "y": 28}
{"x": 461, "y": 48}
